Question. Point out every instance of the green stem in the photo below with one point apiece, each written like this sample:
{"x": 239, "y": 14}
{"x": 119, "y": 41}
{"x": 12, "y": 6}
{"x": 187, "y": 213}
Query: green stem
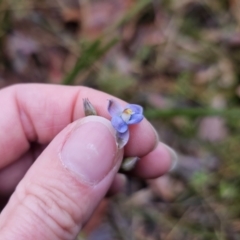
{"x": 190, "y": 112}
{"x": 90, "y": 55}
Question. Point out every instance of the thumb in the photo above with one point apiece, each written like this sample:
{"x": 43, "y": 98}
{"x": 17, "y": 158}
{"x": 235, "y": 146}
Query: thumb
{"x": 65, "y": 184}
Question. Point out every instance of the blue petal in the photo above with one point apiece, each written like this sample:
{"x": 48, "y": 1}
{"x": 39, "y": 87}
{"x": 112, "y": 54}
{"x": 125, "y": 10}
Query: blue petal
{"x": 114, "y": 108}
{"x": 122, "y": 139}
{"x": 119, "y": 124}
{"x": 135, "y": 118}
{"x": 135, "y": 108}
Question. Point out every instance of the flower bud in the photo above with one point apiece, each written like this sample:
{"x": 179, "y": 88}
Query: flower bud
{"x": 88, "y": 108}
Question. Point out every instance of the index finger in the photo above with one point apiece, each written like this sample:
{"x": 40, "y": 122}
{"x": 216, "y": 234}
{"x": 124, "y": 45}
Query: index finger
{"x": 38, "y": 112}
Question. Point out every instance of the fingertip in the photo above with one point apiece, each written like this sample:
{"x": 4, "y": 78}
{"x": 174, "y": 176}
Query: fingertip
{"x": 173, "y": 155}
{"x": 156, "y": 163}
{"x": 143, "y": 139}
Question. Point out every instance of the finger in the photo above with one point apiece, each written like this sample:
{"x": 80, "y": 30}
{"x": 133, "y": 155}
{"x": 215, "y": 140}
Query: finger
{"x": 38, "y": 112}
{"x": 156, "y": 163}
{"x": 14, "y": 172}
{"x": 118, "y": 184}
{"x": 65, "y": 184}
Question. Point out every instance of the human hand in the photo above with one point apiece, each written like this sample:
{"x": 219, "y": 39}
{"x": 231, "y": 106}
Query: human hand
{"x": 70, "y": 161}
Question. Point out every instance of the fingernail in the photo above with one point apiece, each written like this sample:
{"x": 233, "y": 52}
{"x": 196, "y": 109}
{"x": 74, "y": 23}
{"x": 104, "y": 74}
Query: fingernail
{"x": 90, "y": 151}
{"x": 173, "y": 155}
{"x": 156, "y": 136}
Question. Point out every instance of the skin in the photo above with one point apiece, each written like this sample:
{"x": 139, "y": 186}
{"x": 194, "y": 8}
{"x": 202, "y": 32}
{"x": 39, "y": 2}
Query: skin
{"x": 50, "y": 202}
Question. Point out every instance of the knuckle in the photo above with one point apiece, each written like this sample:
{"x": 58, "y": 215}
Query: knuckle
{"x": 51, "y": 207}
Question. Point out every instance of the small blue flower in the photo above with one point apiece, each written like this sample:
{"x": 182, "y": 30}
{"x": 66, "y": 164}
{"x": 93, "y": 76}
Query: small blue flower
{"x": 122, "y": 117}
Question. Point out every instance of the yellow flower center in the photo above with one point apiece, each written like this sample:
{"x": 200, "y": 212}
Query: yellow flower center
{"x": 126, "y": 114}
{"x": 128, "y": 111}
